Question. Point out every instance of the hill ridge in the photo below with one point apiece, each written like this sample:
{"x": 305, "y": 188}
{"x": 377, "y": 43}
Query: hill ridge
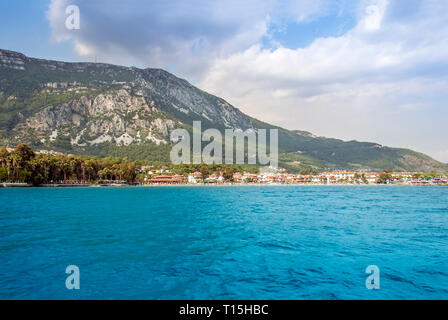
{"x": 101, "y": 109}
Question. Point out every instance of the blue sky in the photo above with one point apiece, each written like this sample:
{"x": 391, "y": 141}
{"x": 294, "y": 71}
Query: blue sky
{"x": 370, "y": 70}
{"x": 25, "y": 28}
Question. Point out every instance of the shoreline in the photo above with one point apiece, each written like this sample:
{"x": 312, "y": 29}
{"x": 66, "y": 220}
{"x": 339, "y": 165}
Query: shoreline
{"x": 24, "y": 185}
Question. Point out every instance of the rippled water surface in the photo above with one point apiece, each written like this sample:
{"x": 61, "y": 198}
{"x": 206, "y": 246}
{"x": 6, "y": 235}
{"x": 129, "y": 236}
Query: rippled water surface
{"x": 254, "y": 242}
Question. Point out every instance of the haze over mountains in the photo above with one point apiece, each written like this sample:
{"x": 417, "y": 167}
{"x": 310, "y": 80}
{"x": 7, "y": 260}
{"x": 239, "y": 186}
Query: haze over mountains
{"x": 101, "y": 109}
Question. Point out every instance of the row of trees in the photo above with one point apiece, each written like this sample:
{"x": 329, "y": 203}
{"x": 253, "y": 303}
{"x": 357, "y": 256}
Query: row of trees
{"x": 24, "y": 165}
{"x": 386, "y": 176}
{"x": 227, "y": 173}
{"x": 226, "y": 170}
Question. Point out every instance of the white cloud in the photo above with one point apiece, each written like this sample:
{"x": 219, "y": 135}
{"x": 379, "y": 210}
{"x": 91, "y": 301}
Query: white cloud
{"x": 179, "y": 35}
{"x": 56, "y": 17}
{"x": 374, "y": 15}
{"x": 385, "y": 80}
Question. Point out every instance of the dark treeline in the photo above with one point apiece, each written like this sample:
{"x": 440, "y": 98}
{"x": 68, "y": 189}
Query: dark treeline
{"x": 24, "y": 165}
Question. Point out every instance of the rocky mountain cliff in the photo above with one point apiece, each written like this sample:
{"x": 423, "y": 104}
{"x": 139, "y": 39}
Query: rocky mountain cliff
{"x": 102, "y": 109}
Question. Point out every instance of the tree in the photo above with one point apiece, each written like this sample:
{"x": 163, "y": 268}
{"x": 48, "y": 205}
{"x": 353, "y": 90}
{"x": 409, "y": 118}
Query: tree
{"x": 308, "y": 171}
{"x": 417, "y": 176}
{"x": 228, "y": 174}
{"x": 384, "y": 177}
{"x": 3, "y": 174}
{"x": 36, "y": 179}
{"x": 204, "y": 172}
{"x": 360, "y": 178}
{"x": 3, "y": 152}
{"x": 364, "y": 179}
{"x": 24, "y": 151}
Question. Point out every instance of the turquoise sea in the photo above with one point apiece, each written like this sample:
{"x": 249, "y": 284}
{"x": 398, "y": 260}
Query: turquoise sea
{"x": 239, "y": 242}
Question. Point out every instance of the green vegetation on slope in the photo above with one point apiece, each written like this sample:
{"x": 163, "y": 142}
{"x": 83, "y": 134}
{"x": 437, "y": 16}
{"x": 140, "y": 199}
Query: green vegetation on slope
{"x": 23, "y": 93}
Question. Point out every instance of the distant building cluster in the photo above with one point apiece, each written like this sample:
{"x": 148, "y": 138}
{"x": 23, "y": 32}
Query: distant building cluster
{"x": 164, "y": 176}
{"x": 52, "y": 152}
{"x": 75, "y": 86}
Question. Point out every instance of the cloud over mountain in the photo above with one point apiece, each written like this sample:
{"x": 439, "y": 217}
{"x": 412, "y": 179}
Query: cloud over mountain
{"x": 383, "y": 79}
{"x": 180, "y": 35}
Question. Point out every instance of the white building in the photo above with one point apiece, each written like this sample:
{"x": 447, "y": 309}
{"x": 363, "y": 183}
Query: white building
{"x": 194, "y": 177}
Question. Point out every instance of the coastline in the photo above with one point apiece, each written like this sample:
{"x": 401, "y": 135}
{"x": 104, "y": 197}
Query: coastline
{"x": 23, "y": 185}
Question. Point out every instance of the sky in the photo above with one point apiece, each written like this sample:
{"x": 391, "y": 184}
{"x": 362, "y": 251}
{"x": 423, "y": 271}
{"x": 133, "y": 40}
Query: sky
{"x": 367, "y": 70}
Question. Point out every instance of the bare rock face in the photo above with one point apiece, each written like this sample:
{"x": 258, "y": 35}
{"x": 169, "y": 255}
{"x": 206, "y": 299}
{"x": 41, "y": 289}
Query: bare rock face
{"x": 163, "y": 126}
{"x": 188, "y": 99}
{"x": 115, "y": 117}
{"x": 13, "y": 60}
{"x": 91, "y": 107}
{"x": 129, "y": 106}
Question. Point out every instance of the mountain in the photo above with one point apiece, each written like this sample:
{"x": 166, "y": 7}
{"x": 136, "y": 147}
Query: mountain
{"x": 102, "y": 109}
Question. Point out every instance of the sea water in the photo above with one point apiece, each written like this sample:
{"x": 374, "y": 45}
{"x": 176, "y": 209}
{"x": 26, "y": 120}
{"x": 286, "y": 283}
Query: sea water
{"x": 235, "y": 242}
